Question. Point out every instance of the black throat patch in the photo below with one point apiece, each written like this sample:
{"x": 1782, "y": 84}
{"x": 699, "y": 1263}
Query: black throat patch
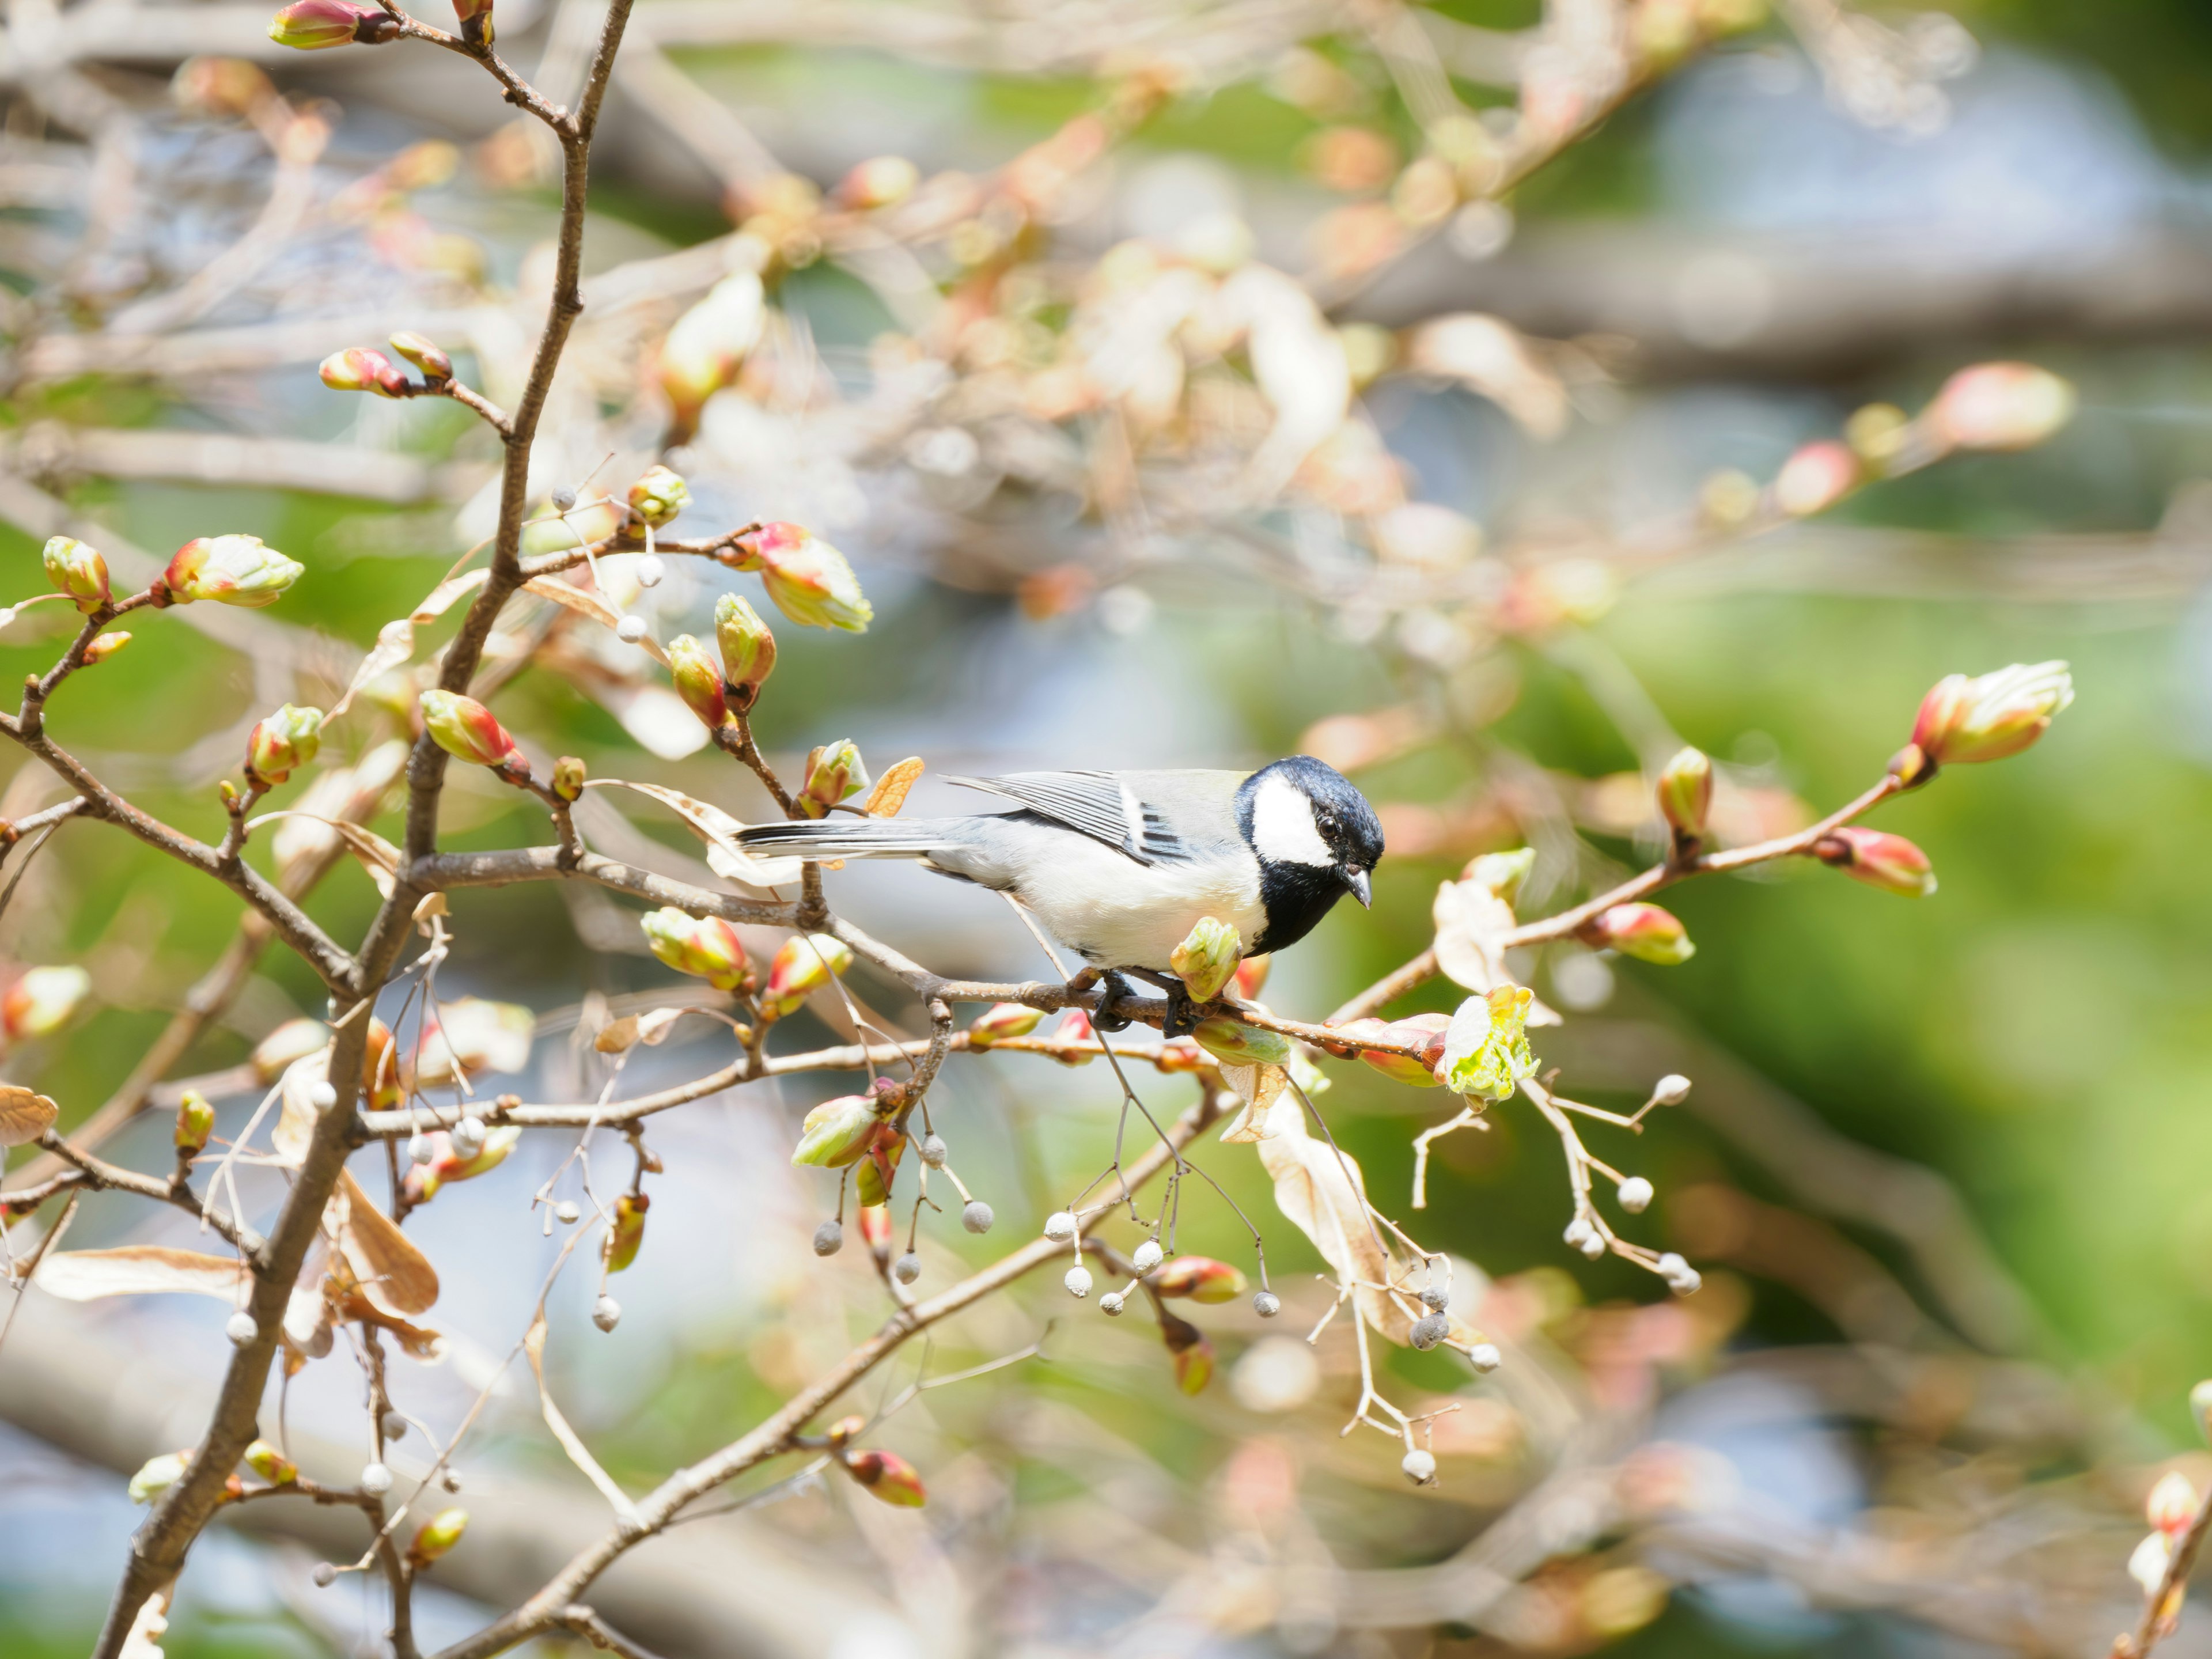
{"x": 1296, "y": 897}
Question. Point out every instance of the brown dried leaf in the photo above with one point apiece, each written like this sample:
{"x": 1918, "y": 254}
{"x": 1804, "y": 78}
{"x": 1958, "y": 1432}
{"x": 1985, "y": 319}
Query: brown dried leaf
{"x": 392, "y": 1271}
{"x": 1320, "y": 1192}
{"x": 1257, "y": 1086}
{"x": 651, "y": 1028}
{"x": 395, "y": 641}
{"x": 533, "y": 1344}
{"x": 592, "y": 605}
{"x": 139, "y": 1270}
{"x": 378, "y": 856}
{"x": 24, "y": 1114}
{"x": 719, "y": 830}
{"x": 889, "y": 794}
{"x": 418, "y": 1341}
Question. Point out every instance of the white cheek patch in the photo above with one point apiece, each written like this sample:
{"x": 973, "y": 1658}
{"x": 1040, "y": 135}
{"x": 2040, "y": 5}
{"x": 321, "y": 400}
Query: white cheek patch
{"x": 1283, "y": 830}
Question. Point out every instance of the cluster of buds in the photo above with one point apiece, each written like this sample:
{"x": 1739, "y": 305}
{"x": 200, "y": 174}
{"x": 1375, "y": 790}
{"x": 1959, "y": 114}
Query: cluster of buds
{"x": 238, "y": 570}
{"x": 446, "y": 1158}
{"x": 1485, "y": 1052}
{"x": 1427, "y": 1033}
{"x": 1643, "y": 931}
{"x": 803, "y": 965}
{"x": 1206, "y": 960}
{"x": 42, "y": 1001}
{"x": 1686, "y": 797}
{"x": 833, "y": 774}
{"x": 810, "y": 580}
{"x": 281, "y": 743}
{"x": 1986, "y": 718}
{"x": 468, "y": 730}
{"x": 2171, "y": 1509}
{"x": 706, "y": 946}
{"x": 748, "y": 651}
{"x": 80, "y": 570}
{"x": 310, "y": 25}
{"x": 1878, "y": 859}
{"x": 658, "y": 495}
{"x": 884, "y": 1475}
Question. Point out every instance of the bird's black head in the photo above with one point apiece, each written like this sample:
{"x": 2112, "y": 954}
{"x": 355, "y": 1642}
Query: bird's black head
{"x": 1317, "y": 839}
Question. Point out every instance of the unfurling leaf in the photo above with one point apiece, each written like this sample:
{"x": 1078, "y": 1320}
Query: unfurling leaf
{"x": 24, "y": 1114}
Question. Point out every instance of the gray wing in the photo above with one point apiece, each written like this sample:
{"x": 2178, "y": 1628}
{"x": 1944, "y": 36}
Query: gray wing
{"x": 1095, "y": 804}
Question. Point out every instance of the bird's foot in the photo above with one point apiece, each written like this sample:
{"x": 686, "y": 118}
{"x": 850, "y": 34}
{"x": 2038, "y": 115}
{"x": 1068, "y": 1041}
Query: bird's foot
{"x": 1183, "y": 1013}
{"x": 1116, "y": 988}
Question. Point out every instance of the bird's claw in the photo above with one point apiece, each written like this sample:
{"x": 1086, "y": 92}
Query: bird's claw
{"x": 1116, "y": 988}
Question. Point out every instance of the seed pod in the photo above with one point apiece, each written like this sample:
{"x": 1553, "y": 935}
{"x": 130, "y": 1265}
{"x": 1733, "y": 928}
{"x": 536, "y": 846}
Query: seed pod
{"x": 1686, "y": 791}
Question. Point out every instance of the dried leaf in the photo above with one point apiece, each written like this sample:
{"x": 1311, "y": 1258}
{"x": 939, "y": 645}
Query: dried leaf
{"x": 1472, "y": 922}
{"x": 533, "y": 1344}
{"x": 393, "y": 1273}
{"x": 889, "y": 794}
{"x": 395, "y": 641}
{"x": 24, "y": 1116}
{"x": 592, "y": 605}
{"x": 417, "y": 1341}
{"x": 296, "y": 1117}
{"x": 139, "y": 1270}
{"x": 651, "y": 1028}
{"x": 378, "y": 856}
{"x": 1258, "y": 1086}
{"x": 1320, "y": 1192}
{"x": 719, "y": 830}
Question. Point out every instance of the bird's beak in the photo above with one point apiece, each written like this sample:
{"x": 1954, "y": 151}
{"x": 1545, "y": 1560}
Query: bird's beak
{"x": 1356, "y": 879}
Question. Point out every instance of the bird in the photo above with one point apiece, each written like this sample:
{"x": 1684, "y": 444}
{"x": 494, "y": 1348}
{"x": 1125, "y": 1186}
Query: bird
{"x": 1120, "y": 866}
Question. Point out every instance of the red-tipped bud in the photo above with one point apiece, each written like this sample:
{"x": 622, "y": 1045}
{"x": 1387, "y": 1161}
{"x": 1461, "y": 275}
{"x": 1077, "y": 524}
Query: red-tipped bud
{"x": 310, "y": 25}
{"x": 105, "y": 646}
{"x": 425, "y": 354}
{"x": 2000, "y": 406}
{"x": 888, "y": 1476}
{"x": 803, "y": 966}
{"x": 838, "y": 1133}
{"x": 628, "y": 1232}
{"x": 468, "y": 730}
{"x": 475, "y": 19}
{"x": 1252, "y": 976}
{"x": 705, "y": 946}
{"x": 41, "y": 1002}
{"x": 359, "y": 368}
{"x": 1239, "y": 1044}
{"x": 236, "y": 570}
{"x": 283, "y": 743}
{"x": 832, "y": 772}
{"x": 748, "y": 650}
{"x": 1207, "y": 959}
{"x": 1199, "y": 1278}
{"x": 1194, "y": 1366}
{"x": 1878, "y": 859}
{"x": 1987, "y": 717}
{"x": 880, "y": 1166}
{"x": 810, "y": 580}
{"x": 381, "y": 1089}
{"x": 1685, "y": 793}
{"x": 1815, "y": 478}
{"x": 78, "y": 569}
{"x": 875, "y": 1227}
{"x": 698, "y": 681}
{"x": 880, "y": 181}
{"x": 1422, "y": 1031}
{"x": 1003, "y": 1019}
{"x": 2173, "y": 1504}
{"x": 195, "y": 1122}
{"x": 1643, "y": 931}
{"x": 270, "y": 1464}
{"x": 1075, "y": 1027}
{"x": 659, "y": 496}
{"x": 437, "y": 1535}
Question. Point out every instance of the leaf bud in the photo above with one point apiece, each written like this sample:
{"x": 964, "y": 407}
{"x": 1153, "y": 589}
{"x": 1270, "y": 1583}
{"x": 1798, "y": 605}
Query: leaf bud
{"x": 425, "y": 354}
{"x": 1815, "y": 478}
{"x": 698, "y": 681}
{"x": 157, "y": 1476}
{"x": 805, "y": 963}
{"x": 628, "y": 1233}
{"x": 702, "y": 352}
{"x": 466, "y": 729}
{"x": 810, "y": 580}
{"x": 1194, "y": 1366}
{"x": 475, "y": 19}
{"x": 888, "y": 1476}
{"x": 1643, "y": 931}
{"x": 658, "y": 495}
{"x": 270, "y": 1464}
{"x": 195, "y": 1122}
{"x": 875, "y": 1227}
{"x": 748, "y": 650}
{"x": 42, "y": 1001}
{"x": 706, "y": 946}
{"x": 1003, "y": 1019}
{"x": 846, "y": 1430}
{"x": 238, "y": 570}
{"x": 362, "y": 368}
{"x": 438, "y": 1534}
{"x": 2000, "y": 406}
{"x": 1207, "y": 958}
{"x": 1240, "y": 1044}
{"x": 1986, "y": 718}
{"x": 1199, "y": 1278}
{"x": 1485, "y": 1052}
{"x": 105, "y": 646}
{"x": 837, "y": 1132}
{"x": 568, "y": 779}
{"x": 1251, "y": 975}
{"x": 1685, "y": 793}
{"x": 310, "y": 25}
{"x": 1426, "y": 1033}
{"x": 2148, "y": 1565}
{"x": 78, "y": 569}
{"x": 283, "y": 742}
{"x": 2173, "y": 1504}
{"x": 1878, "y": 859}
{"x": 832, "y": 772}
{"x": 877, "y": 182}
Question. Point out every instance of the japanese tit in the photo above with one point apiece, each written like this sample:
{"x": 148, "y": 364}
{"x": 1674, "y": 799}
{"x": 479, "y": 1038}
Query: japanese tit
{"x": 1119, "y": 866}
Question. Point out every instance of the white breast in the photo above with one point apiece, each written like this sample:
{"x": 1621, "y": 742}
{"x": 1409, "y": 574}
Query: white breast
{"x": 1119, "y": 913}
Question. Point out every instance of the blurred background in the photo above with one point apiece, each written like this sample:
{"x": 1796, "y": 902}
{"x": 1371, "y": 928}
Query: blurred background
{"x": 1191, "y": 384}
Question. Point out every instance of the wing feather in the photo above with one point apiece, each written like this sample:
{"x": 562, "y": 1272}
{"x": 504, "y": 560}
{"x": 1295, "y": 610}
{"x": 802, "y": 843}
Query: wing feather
{"x": 1095, "y": 804}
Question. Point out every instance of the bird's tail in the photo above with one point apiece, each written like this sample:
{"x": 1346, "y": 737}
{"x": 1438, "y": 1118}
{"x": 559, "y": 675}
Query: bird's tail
{"x": 840, "y": 836}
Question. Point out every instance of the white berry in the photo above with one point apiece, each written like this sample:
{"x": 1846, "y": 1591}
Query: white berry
{"x": 650, "y": 571}
{"x": 907, "y": 1268}
{"x": 240, "y": 1328}
{"x": 1077, "y": 1281}
{"x": 1149, "y": 1255}
{"x": 606, "y": 1313}
{"x": 630, "y": 629}
{"x": 376, "y": 1480}
{"x": 1485, "y": 1357}
{"x": 829, "y": 1238}
{"x": 419, "y": 1149}
{"x": 977, "y": 1217}
{"x": 933, "y": 1151}
{"x": 452, "y": 1481}
{"x": 326, "y": 1575}
{"x": 564, "y": 500}
{"x": 1669, "y": 1265}
{"x": 1578, "y": 1232}
{"x": 1111, "y": 1305}
{"x": 395, "y": 1426}
{"x": 566, "y": 1212}
{"x": 1429, "y": 1331}
{"x": 1687, "y": 1283}
{"x": 1420, "y": 1466}
{"x": 1635, "y": 1194}
{"x": 1671, "y": 1090}
{"x": 1060, "y": 1226}
{"x": 322, "y": 1096}
{"x": 1267, "y": 1304}
{"x": 469, "y": 1135}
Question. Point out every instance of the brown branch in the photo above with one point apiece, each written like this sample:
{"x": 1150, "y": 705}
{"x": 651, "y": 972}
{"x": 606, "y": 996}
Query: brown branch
{"x": 103, "y": 1177}
{"x": 600, "y": 1633}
